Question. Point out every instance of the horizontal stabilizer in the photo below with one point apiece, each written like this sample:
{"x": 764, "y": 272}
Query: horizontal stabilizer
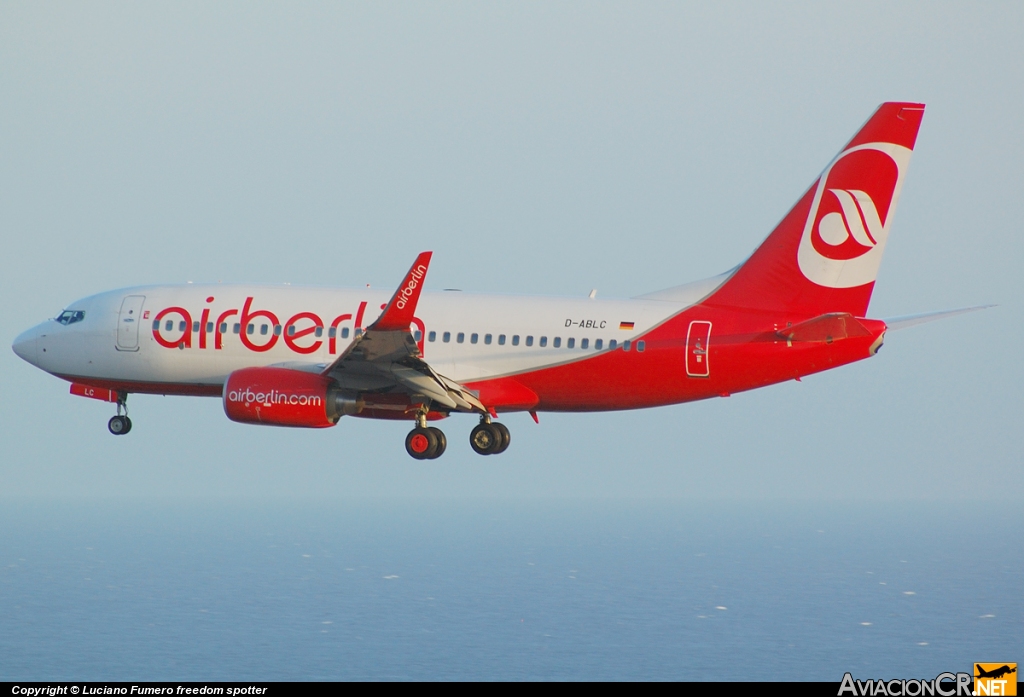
{"x": 825, "y": 329}
{"x": 910, "y": 320}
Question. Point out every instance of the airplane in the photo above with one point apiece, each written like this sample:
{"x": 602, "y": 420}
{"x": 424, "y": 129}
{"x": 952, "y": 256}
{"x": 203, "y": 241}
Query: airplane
{"x": 996, "y": 672}
{"x": 304, "y": 356}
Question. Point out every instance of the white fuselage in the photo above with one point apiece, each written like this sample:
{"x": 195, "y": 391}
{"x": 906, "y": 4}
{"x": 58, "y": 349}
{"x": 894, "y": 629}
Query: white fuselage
{"x": 464, "y": 336}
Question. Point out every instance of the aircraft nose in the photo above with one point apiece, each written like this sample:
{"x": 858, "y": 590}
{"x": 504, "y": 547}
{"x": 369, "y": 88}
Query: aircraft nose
{"x": 25, "y": 344}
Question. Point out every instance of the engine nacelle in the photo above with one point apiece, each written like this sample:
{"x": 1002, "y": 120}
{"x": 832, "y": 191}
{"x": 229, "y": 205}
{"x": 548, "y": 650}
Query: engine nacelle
{"x": 284, "y": 397}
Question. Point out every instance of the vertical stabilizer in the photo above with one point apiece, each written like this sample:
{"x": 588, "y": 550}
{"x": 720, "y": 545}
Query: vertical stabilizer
{"x": 824, "y": 255}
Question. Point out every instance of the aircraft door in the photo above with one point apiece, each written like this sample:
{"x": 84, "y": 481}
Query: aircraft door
{"x": 697, "y": 338}
{"x": 128, "y": 320}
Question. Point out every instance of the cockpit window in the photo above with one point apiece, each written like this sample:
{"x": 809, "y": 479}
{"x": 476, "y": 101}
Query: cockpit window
{"x": 70, "y": 316}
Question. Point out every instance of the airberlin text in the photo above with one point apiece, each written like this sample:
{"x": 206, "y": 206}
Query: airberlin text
{"x": 410, "y": 287}
{"x": 247, "y": 396}
{"x": 943, "y": 685}
{"x": 260, "y": 330}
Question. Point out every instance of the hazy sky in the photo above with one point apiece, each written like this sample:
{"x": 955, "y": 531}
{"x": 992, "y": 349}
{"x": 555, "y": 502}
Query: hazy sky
{"x": 536, "y": 148}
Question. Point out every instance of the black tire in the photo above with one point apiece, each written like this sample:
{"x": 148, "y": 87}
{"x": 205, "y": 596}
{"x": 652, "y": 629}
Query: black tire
{"x": 421, "y": 443}
{"x": 118, "y": 425}
{"x": 485, "y": 439}
{"x": 506, "y": 437}
{"x": 128, "y": 424}
{"x": 442, "y": 442}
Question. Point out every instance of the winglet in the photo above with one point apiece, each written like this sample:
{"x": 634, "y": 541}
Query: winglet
{"x": 400, "y": 310}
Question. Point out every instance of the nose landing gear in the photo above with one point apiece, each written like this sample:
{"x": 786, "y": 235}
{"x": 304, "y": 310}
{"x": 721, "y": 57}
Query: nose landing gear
{"x": 120, "y": 425}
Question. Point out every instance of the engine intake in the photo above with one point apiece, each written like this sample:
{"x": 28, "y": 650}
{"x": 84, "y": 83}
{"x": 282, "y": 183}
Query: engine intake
{"x": 285, "y": 397}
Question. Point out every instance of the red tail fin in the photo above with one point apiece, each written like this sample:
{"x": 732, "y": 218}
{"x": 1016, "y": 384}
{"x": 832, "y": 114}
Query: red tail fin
{"x": 824, "y": 255}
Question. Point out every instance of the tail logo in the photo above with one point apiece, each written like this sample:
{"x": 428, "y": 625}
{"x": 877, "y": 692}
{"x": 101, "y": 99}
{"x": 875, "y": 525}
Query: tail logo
{"x": 858, "y": 220}
{"x": 848, "y": 222}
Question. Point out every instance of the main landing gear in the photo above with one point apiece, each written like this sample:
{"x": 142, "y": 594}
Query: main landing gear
{"x": 120, "y": 425}
{"x": 425, "y": 442}
{"x": 428, "y": 443}
{"x": 489, "y": 438}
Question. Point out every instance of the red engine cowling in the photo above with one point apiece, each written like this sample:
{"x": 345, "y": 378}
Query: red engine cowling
{"x": 283, "y": 397}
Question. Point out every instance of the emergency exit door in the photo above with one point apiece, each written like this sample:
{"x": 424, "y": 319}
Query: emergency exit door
{"x": 128, "y": 321}
{"x": 697, "y": 338}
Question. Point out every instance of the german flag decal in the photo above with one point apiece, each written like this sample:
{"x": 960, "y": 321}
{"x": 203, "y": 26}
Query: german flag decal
{"x": 626, "y": 325}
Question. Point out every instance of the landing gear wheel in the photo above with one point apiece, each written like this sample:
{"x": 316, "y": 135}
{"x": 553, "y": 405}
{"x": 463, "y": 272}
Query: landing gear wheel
{"x": 442, "y": 442}
{"x": 485, "y": 439}
{"x": 421, "y": 443}
{"x": 506, "y": 437}
{"x": 119, "y": 425}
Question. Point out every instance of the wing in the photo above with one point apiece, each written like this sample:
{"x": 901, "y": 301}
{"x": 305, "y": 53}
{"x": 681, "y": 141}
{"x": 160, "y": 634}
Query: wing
{"x": 386, "y": 360}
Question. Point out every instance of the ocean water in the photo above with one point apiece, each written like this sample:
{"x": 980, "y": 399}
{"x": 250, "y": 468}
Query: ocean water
{"x": 504, "y": 589}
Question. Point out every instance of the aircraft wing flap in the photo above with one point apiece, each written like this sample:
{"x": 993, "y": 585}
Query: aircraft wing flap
{"x": 385, "y": 358}
{"x": 422, "y": 385}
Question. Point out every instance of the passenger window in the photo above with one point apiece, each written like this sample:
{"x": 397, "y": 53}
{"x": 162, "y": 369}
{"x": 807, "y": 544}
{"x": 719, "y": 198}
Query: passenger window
{"x": 432, "y": 336}
{"x": 487, "y": 339}
{"x": 640, "y": 346}
{"x": 515, "y": 339}
{"x": 318, "y": 332}
{"x": 558, "y": 342}
{"x": 344, "y": 332}
{"x": 461, "y": 338}
{"x": 418, "y": 336}
{"x": 612, "y": 343}
{"x": 625, "y": 345}
{"x": 168, "y": 325}
{"x": 195, "y": 327}
{"x": 291, "y": 330}
{"x": 584, "y": 343}
{"x": 223, "y": 327}
{"x": 156, "y": 324}
{"x": 182, "y": 326}
{"x": 501, "y": 339}
{"x": 209, "y": 327}
{"x": 473, "y": 338}
{"x": 570, "y": 343}
{"x": 529, "y": 341}
{"x": 598, "y": 344}
{"x": 237, "y": 328}
{"x": 250, "y": 329}
{"x": 332, "y": 332}
{"x": 277, "y": 330}
{"x": 446, "y": 337}
{"x": 543, "y": 341}
{"x": 263, "y": 329}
